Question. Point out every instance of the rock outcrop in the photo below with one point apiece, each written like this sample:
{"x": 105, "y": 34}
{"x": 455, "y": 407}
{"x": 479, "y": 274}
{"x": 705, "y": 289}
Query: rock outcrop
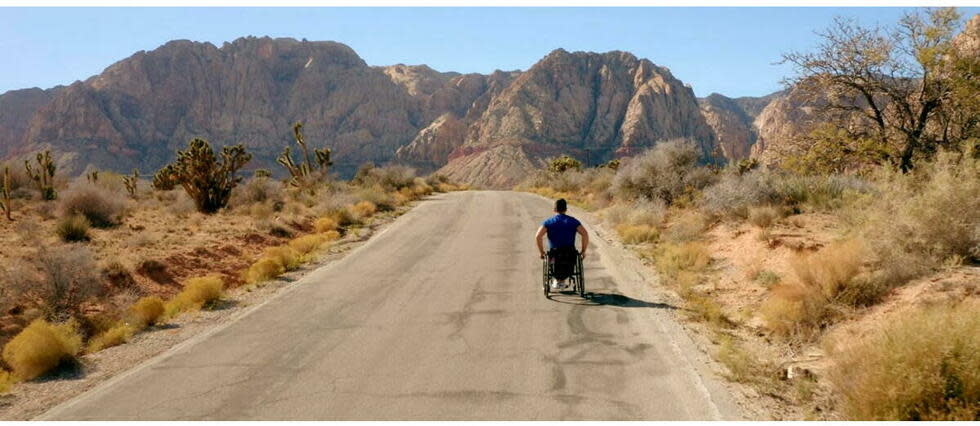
{"x": 481, "y": 129}
{"x": 16, "y": 109}
{"x": 731, "y": 124}
{"x": 588, "y": 105}
{"x": 140, "y": 110}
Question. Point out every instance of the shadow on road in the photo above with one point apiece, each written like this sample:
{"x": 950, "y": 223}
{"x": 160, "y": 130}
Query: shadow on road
{"x": 607, "y": 299}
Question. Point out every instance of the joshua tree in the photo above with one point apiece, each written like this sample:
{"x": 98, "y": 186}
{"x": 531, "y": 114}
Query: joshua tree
{"x": 207, "y": 180}
{"x": 43, "y": 177}
{"x": 132, "y": 183}
{"x": 5, "y": 193}
{"x": 301, "y": 172}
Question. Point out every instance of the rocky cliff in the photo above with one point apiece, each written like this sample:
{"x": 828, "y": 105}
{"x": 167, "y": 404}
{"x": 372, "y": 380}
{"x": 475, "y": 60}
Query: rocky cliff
{"x": 141, "y": 109}
{"x": 483, "y": 129}
{"x": 589, "y": 105}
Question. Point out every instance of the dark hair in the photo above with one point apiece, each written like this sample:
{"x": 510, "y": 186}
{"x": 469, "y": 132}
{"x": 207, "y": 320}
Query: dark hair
{"x": 561, "y": 205}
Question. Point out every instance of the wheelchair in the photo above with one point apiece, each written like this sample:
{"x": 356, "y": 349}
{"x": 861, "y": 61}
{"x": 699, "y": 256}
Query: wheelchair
{"x": 563, "y": 264}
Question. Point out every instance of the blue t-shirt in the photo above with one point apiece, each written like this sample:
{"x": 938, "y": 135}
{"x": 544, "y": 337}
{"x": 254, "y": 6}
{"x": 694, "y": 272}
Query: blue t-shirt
{"x": 561, "y": 230}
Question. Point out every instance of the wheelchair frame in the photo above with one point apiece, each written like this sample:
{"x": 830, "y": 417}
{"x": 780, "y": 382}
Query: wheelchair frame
{"x": 577, "y": 278}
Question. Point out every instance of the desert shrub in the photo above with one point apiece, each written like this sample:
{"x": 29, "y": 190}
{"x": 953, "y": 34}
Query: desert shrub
{"x": 919, "y": 220}
{"x": 325, "y": 224}
{"x": 67, "y": 277}
{"x": 263, "y": 269}
{"x": 308, "y": 243}
{"x": 923, "y": 366}
{"x": 102, "y": 207}
{"x": 819, "y": 192}
{"x": 114, "y": 336}
{"x": 72, "y": 229}
{"x": 734, "y": 194}
{"x": 616, "y": 214}
{"x": 41, "y": 347}
{"x": 650, "y": 213}
{"x": 146, "y": 311}
{"x": 764, "y": 216}
{"x": 689, "y": 226}
{"x": 667, "y": 171}
{"x": 389, "y": 178}
{"x": 834, "y": 272}
{"x": 363, "y": 210}
{"x": 197, "y": 293}
{"x": 672, "y": 259}
{"x": 378, "y": 197}
{"x": 181, "y": 204}
{"x": 767, "y": 278}
{"x": 286, "y": 256}
{"x": 257, "y": 190}
{"x": 795, "y": 310}
{"x": 331, "y": 235}
{"x": 637, "y": 234}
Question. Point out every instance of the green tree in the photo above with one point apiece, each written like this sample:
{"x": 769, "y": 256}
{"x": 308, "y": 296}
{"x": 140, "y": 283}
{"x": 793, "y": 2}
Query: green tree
{"x": 898, "y": 79}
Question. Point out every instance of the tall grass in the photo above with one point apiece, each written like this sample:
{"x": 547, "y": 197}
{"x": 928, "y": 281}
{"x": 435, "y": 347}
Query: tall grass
{"x": 923, "y": 366}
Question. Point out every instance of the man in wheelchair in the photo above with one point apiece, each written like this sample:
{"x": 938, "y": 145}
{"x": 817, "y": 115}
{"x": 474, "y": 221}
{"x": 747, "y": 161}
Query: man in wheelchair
{"x": 561, "y": 229}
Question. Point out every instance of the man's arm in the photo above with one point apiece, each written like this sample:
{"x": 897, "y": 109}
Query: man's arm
{"x": 585, "y": 239}
{"x": 539, "y": 238}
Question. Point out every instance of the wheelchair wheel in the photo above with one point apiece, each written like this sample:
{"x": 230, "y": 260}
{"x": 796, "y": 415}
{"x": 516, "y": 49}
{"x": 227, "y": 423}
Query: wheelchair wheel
{"x": 544, "y": 281}
{"x": 580, "y": 277}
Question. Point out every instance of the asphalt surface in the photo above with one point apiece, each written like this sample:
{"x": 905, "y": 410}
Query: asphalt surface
{"x": 439, "y": 316}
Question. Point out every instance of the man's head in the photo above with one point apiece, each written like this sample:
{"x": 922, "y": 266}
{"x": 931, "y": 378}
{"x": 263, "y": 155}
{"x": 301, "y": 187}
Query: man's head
{"x": 561, "y": 205}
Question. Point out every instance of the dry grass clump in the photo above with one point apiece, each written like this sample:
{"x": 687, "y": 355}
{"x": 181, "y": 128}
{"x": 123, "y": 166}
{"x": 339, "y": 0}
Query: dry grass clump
{"x": 286, "y": 256}
{"x": 920, "y": 220}
{"x": 197, "y": 293}
{"x": 114, "y": 336}
{"x": 651, "y": 213}
{"x": 263, "y": 269}
{"x": 308, "y": 243}
{"x": 73, "y": 228}
{"x": 672, "y": 259}
{"x": 146, "y": 311}
{"x": 377, "y": 197}
{"x": 325, "y": 224}
{"x": 637, "y": 234}
{"x": 794, "y": 310}
{"x": 102, "y": 207}
{"x": 7, "y": 381}
{"x": 257, "y": 190}
{"x": 363, "y": 210}
{"x": 923, "y": 366}
{"x": 763, "y": 217}
{"x": 41, "y": 347}
{"x": 689, "y": 226}
{"x": 834, "y": 271}
{"x": 826, "y": 278}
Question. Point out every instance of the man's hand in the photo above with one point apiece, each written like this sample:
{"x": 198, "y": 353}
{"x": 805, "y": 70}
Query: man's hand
{"x": 542, "y": 255}
{"x": 583, "y": 254}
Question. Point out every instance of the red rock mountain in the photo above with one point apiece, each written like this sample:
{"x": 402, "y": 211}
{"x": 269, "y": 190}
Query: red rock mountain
{"x": 483, "y": 129}
{"x": 589, "y": 105}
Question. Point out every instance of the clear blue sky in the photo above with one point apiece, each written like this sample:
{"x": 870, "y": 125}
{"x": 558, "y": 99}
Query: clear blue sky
{"x": 725, "y": 50}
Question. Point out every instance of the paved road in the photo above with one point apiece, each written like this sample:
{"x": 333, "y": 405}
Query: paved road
{"x": 440, "y": 316}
